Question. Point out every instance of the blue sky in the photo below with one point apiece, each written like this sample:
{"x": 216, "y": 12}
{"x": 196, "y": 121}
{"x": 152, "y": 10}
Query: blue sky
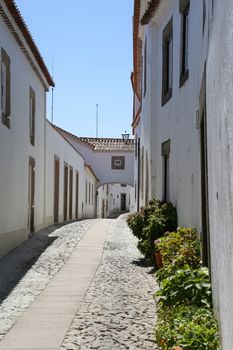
{"x": 90, "y": 43}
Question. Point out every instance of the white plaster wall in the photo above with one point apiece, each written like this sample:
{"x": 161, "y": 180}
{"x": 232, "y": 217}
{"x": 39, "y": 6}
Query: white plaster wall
{"x": 16, "y": 148}
{"x": 90, "y": 206}
{"x": 101, "y": 164}
{"x": 176, "y": 119}
{"x": 220, "y": 163}
{"x": 57, "y": 146}
{"x": 114, "y": 198}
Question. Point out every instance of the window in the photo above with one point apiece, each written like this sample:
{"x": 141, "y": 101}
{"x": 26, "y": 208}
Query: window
{"x": 5, "y": 88}
{"x": 32, "y": 111}
{"x": 145, "y": 68}
{"x": 107, "y": 190}
{"x": 167, "y": 62}
{"x": 184, "y": 59}
{"x": 165, "y": 155}
{"x": 118, "y": 162}
{"x": 204, "y": 16}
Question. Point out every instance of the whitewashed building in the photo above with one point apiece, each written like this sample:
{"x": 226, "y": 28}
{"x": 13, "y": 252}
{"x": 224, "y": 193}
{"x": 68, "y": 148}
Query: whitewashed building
{"x": 91, "y": 181}
{"x": 65, "y": 179}
{"x": 183, "y": 119}
{"x": 114, "y": 199}
{"x": 24, "y": 83}
{"x": 219, "y": 140}
{"x": 171, "y": 37}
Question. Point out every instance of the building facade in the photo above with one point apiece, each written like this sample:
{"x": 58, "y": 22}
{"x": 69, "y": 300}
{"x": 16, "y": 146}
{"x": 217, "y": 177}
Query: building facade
{"x": 182, "y": 83}
{"x": 24, "y": 83}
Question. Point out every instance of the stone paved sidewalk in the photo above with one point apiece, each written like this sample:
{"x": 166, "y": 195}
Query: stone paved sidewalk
{"x": 118, "y": 311}
{"x": 26, "y": 271}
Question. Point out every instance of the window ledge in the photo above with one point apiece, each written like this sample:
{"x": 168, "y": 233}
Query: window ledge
{"x": 184, "y": 76}
{"x": 5, "y": 121}
{"x": 166, "y": 97}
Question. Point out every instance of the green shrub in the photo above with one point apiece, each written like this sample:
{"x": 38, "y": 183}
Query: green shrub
{"x": 186, "y": 285}
{"x": 187, "y": 326}
{"x": 178, "y": 249}
{"x": 135, "y": 222}
{"x": 152, "y": 222}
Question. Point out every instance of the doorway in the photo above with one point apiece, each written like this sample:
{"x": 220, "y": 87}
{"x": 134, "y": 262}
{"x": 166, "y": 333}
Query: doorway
{"x": 123, "y": 201}
{"x": 204, "y": 192}
{"x": 102, "y": 209}
{"x": 56, "y": 188}
{"x": 65, "y": 191}
{"x": 77, "y": 191}
{"x": 31, "y": 196}
{"x": 71, "y": 194}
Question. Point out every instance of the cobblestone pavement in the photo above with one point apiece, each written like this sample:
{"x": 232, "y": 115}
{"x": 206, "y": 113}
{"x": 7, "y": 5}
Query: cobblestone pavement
{"x": 118, "y": 311}
{"x": 26, "y": 271}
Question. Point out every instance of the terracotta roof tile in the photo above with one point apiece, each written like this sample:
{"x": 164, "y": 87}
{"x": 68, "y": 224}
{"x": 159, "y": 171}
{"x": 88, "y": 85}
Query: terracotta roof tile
{"x": 100, "y": 144}
{"x": 18, "y": 18}
{"x": 152, "y": 6}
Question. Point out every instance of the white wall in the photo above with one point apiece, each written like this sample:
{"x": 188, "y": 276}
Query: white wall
{"x": 90, "y": 194}
{"x": 176, "y": 119}
{"x": 111, "y": 192}
{"x": 220, "y": 163}
{"x": 16, "y": 148}
{"x": 57, "y": 146}
{"x": 101, "y": 163}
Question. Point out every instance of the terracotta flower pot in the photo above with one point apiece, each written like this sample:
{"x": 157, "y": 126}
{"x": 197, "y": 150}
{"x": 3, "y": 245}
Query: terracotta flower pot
{"x": 159, "y": 260}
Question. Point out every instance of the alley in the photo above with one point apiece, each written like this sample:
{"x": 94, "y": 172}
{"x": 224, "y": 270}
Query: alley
{"x": 89, "y": 284}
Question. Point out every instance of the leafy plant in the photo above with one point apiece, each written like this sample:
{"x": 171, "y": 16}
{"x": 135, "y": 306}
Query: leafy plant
{"x": 191, "y": 286}
{"x": 187, "y": 327}
{"x": 178, "y": 249}
{"x": 135, "y": 222}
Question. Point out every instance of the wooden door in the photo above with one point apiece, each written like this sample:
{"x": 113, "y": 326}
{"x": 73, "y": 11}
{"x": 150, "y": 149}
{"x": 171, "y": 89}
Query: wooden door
{"x": 56, "y": 188}
{"x": 65, "y": 191}
{"x": 31, "y": 195}
{"x": 77, "y": 195}
{"x": 71, "y": 194}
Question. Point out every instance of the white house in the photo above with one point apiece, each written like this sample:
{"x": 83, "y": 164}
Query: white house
{"x": 182, "y": 117}
{"x": 113, "y": 199}
{"x": 111, "y": 159}
{"x": 91, "y": 182}
{"x": 172, "y": 38}
{"x": 24, "y": 83}
{"x": 65, "y": 179}
{"x": 219, "y": 125}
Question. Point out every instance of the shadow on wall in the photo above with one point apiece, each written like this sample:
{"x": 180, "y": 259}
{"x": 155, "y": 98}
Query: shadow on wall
{"x": 15, "y": 265}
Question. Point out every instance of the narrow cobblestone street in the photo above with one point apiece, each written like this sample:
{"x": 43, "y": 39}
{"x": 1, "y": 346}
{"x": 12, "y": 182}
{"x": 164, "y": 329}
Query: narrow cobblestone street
{"x": 117, "y": 311}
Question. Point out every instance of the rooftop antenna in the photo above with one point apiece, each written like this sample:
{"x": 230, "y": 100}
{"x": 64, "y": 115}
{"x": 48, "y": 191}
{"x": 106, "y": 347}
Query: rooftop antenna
{"x": 97, "y": 119}
{"x": 52, "y": 96}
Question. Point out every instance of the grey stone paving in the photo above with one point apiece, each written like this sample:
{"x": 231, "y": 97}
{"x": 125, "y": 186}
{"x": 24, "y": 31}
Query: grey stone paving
{"x": 118, "y": 311}
{"x": 26, "y": 271}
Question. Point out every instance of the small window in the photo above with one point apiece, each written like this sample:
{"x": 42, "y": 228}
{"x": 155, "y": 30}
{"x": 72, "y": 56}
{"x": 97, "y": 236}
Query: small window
{"x": 5, "y": 88}
{"x": 118, "y": 162}
{"x": 32, "y": 112}
{"x": 167, "y": 62}
{"x": 184, "y": 54}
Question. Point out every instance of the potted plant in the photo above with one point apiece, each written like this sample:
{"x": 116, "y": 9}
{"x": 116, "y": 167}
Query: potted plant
{"x": 158, "y": 256}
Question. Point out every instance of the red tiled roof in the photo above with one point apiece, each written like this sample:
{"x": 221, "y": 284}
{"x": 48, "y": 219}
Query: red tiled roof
{"x": 152, "y": 6}
{"x": 109, "y": 144}
{"x": 100, "y": 144}
{"x": 15, "y": 13}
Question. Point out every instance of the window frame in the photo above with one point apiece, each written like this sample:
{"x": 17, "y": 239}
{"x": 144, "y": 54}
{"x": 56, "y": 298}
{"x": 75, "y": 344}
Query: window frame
{"x": 32, "y": 115}
{"x": 121, "y": 165}
{"x": 184, "y": 41}
{"x": 167, "y": 62}
{"x": 5, "y": 87}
